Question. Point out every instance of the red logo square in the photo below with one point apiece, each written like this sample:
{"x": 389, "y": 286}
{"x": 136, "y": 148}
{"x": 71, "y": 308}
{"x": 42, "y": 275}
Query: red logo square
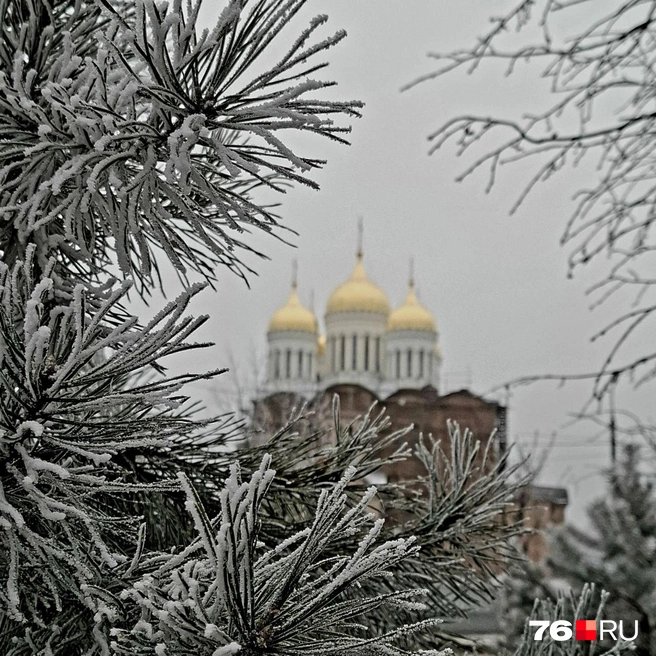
{"x": 586, "y": 629}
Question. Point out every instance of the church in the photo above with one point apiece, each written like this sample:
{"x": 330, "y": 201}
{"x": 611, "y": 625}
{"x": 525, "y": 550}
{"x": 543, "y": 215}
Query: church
{"x": 372, "y": 353}
{"x": 369, "y": 354}
{"x": 366, "y": 343}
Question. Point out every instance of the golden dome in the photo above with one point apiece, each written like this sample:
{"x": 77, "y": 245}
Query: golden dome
{"x": 358, "y": 294}
{"x": 293, "y": 316}
{"x": 411, "y": 315}
{"x": 321, "y": 345}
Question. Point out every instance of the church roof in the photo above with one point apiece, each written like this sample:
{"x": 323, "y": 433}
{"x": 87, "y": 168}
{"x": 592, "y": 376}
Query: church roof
{"x": 358, "y": 294}
{"x": 555, "y": 495}
{"x": 411, "y": 315}
{"x": 293, "y": 316}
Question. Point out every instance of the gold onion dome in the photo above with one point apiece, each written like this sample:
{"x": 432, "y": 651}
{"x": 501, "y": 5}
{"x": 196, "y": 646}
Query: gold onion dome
{"x": 293, "y": 316}
{"x": 358, "y": 294}
{"x": 411, "y": 315}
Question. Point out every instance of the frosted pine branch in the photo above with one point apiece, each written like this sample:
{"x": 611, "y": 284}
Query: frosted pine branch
{"x": 142, "y": 130}
{"x": 73, "y": 399}
{"x": 226, "y": 593}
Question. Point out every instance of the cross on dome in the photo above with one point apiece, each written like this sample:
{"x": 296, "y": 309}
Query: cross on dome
{"x": 358, "y": 293}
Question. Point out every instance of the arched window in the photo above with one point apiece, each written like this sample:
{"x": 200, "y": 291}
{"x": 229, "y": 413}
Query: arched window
{"x": 276, "y": 364}
{"x": 398, "y": 364}
{"x": 409, "y": 363}
{"x": 342, "y": 353}
{"x": 309, "y": 358}
{"x": 430, "y": 366}
{"x": 421, "y": 363}
{"x": 288, "y": 363}
{"x": 366, "y": 352}
{"x": 300, "y": 364}
{"x": 354, "y": 353}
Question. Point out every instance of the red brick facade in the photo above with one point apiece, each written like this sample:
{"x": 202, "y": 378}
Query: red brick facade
{"x": 428, "y": 413}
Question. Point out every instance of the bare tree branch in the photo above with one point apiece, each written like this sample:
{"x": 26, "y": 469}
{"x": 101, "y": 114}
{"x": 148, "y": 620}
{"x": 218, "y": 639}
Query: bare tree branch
{"x": 606, "y": 61}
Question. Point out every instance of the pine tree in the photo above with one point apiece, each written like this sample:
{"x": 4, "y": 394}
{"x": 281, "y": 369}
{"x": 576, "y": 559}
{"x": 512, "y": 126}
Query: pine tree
{"x": 589, "y": 604}
{"x": 525, "y": 582}
{"x": 130, "y": 135}
{"x": 616, "y": 551}
{"x": 620, "y": 551}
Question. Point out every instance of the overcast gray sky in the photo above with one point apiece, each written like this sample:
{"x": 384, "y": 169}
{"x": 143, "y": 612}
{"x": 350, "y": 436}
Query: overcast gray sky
{"x": 495, "y": 283}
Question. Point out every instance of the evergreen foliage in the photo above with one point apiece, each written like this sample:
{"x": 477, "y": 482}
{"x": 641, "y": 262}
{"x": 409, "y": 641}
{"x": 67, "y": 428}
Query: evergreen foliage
{"x": 587, "y": 605}
{"x": 227, "y": 593}
{"x": 127, "y": 133}
{"x": 128, "y": 127}
{"x": 525, "y": 582}
{"x": 620, "y": 551}
{"x": 617, "y": 552}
